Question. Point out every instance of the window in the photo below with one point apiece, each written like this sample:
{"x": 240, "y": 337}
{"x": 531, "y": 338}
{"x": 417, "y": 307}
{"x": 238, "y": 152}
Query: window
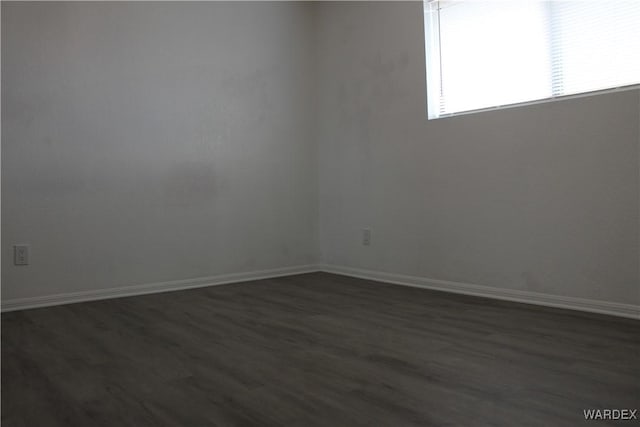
{"x": 489, "y": 54}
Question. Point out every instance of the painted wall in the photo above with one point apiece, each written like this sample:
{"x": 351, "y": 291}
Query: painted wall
{"x": 147, "y": 142}
{"x": 541, "y": 198}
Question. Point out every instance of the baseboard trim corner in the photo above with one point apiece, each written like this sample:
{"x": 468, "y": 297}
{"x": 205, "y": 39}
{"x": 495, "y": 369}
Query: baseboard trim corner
{"x": 151, "y": 288}
{"x": 527, "y": 297}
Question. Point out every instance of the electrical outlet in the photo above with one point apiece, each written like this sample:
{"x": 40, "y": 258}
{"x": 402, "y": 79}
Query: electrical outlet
{"x": 366, "y": 237}
{"x": 21, "y": 255}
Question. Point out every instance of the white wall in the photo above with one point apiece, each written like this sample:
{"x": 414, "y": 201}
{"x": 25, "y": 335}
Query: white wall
{"x": 541, "y": 198}
{"x": 147, "y": 142}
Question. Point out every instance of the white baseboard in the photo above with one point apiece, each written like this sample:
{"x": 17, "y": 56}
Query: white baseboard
{"x": 151, "y": 288}
{"x": 572, "y": 303}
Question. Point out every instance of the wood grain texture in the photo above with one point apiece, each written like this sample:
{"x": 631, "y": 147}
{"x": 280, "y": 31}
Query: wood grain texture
{"x": 314, "y": 350}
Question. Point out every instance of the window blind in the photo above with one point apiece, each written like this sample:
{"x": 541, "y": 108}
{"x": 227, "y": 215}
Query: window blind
{"x": 488, "y": 54}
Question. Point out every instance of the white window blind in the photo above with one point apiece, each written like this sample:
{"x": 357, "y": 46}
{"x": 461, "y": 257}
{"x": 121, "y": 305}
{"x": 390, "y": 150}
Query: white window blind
{"x": 487, "y": 54}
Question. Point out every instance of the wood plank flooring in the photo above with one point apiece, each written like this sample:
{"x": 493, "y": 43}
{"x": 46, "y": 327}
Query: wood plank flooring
{"x": 314, "y": 350}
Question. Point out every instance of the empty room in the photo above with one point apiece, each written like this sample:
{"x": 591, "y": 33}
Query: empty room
{"x": 320, "y": 213}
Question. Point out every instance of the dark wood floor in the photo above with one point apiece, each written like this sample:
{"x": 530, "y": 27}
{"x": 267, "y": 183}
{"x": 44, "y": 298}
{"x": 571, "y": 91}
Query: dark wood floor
{"x": 314, "y": 350}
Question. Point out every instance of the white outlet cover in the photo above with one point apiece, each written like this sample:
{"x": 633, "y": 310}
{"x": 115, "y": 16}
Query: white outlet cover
{"x": 21, "y": 254}
{"x": 366, "y": 237}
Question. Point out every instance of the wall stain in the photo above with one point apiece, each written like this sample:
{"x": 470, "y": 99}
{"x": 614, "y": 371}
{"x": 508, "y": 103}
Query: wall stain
{"x": 190, "y": 183}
